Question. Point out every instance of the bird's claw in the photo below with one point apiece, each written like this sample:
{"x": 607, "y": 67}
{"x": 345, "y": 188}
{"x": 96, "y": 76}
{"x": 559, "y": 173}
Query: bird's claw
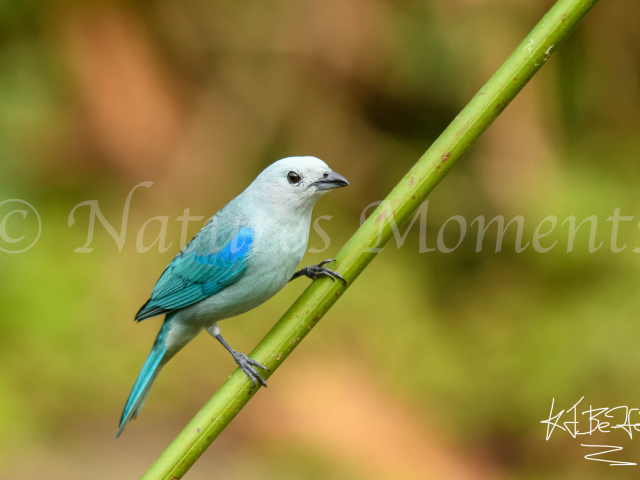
{"x": 316, "y": 271}
{"x": 247, "y": 366}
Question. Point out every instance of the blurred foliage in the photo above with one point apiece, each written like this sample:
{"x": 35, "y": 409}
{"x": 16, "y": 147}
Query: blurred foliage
{"x": 457, "y": 356}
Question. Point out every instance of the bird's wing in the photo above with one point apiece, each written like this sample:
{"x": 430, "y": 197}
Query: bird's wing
{"x": 200, "y": 270}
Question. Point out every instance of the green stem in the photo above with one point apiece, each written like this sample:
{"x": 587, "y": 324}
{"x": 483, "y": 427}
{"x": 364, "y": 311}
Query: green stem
{"x": 396, "y": 209}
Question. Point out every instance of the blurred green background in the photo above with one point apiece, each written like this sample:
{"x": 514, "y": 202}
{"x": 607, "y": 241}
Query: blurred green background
{"x": 432, "y": 365}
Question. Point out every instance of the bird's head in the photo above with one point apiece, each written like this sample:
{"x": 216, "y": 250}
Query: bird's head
{"x": 297, "y": 182}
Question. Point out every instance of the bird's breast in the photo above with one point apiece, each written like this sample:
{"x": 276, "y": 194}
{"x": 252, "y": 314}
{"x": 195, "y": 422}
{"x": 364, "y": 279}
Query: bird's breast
{"x": 277, "y": 249}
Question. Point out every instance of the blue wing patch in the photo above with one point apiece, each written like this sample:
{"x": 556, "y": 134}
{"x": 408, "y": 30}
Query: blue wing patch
{"x": 198, "y": 273}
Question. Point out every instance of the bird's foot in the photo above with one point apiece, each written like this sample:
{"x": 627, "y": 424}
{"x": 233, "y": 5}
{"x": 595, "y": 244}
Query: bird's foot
{"x": 317, "y": 271}
{"x": 247, "y": 365}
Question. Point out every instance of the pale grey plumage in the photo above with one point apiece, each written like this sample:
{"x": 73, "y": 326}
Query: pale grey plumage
{"x": 241, "y": 258}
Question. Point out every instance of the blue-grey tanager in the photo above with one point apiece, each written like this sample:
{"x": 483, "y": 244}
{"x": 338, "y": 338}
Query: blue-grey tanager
{"x": 242, "y": 257}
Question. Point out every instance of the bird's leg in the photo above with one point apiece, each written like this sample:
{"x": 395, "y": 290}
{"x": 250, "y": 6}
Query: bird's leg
{"x": 245, "y": 363}
{"x": 317, "y": 271}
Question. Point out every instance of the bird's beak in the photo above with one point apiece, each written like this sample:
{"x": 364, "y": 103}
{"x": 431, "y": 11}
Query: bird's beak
{"x": 331, "y": 180}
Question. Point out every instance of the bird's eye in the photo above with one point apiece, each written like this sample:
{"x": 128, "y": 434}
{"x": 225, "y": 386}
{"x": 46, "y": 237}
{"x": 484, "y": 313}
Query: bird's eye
{"x": 326, "y": 175}
{"x": 293, "y": 177}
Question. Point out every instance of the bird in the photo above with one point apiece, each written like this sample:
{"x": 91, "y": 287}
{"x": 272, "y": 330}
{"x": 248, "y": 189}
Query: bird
{"x": 247, "y": 252}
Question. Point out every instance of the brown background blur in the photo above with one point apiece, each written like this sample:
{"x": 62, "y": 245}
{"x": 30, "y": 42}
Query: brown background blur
{"x": 432, "y": 365}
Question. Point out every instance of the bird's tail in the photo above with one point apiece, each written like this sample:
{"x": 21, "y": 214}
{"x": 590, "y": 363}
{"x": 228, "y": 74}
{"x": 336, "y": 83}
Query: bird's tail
{"x": 150, "y": 370}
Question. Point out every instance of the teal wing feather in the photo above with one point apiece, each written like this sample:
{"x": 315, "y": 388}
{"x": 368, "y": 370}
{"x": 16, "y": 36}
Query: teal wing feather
{"x": 200, "y": 271}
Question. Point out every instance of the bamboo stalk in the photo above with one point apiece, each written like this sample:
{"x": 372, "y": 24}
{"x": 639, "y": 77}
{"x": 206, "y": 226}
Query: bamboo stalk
{"x": 361, "y": 249}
